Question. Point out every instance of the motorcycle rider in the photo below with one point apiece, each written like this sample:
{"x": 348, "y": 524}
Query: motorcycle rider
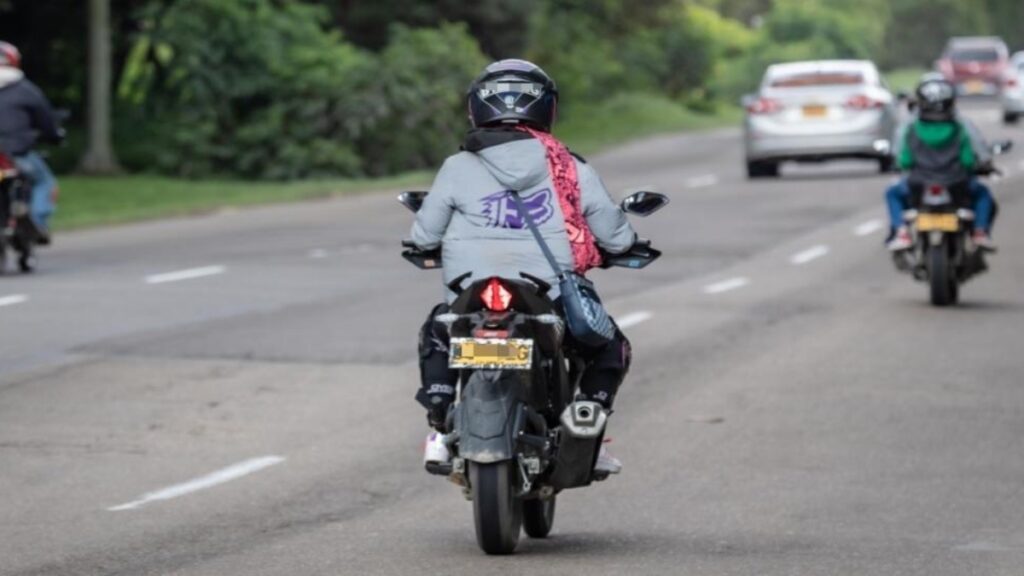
{"x": 25, "y": 119}
{"x": 938, "y": 126}
{"x": 470, "y": 215}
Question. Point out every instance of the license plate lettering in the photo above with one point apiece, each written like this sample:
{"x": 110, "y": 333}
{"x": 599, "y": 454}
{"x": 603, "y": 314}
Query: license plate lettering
{"x": 491, "y": 353}
{"x": 938, "y": 223}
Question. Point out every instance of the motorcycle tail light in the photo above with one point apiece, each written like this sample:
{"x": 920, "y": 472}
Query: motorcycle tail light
{"x": 495, "y": 296}
{"x": 765, "y": 106}
{"x": 936, "y": 190}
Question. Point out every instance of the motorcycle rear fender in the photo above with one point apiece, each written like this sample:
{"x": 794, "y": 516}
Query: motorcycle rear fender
{"x": 489, "y": 416}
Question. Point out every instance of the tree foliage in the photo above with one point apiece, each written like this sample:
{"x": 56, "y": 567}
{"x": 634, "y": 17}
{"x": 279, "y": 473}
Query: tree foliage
{"x": 300, "y": 88}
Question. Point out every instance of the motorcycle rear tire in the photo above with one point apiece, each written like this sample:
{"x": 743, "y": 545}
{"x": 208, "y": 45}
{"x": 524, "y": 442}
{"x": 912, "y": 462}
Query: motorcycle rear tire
{"x": 538, "y": 517}
{"x": 497, "y": 513}
{"x": 940, "y": 277}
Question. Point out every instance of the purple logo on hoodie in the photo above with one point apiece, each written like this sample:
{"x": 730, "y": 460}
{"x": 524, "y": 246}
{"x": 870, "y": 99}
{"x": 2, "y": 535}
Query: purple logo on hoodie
{"x": 501, "y": 212}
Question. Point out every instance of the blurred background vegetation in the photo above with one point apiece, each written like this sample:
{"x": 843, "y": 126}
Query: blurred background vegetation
{"x": 290, "y": 89}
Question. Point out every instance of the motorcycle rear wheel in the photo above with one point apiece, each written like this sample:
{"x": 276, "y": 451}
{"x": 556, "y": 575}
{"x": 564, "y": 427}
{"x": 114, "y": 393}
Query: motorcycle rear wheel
{"x": 497, "y": 513}
{"x": 942, "y": 283}
{"x": 538, "y": 517}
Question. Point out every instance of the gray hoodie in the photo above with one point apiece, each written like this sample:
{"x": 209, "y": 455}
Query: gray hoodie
{"x": 470, "y": 213}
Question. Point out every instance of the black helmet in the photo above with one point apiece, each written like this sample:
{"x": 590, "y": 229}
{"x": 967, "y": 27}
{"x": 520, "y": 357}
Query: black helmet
{"x": 513, "y": 92}
{"x": 936, "y": 100}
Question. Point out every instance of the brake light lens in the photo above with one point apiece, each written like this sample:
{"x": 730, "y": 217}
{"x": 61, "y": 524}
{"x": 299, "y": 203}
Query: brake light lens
{"x": 765, "y": 106}
{"x": 1010, "y": 82}
{"x": 6, "y": 163}
{"x": 495, "y": 296}
{"x": 863, "y": 102}
{"x": 936, "y": 190}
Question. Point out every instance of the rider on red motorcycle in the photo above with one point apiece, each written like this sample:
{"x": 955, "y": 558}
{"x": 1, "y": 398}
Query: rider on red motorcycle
{"x": 26, "y": 119}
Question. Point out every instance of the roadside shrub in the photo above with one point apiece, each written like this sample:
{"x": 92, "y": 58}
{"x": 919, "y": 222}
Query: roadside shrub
{"x": 418, "y": 98}
{"x": 254, "y": 88}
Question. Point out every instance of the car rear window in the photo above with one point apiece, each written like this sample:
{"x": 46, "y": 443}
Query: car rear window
{"x": 975, "y": 55}
{"x": 818, "y": 79}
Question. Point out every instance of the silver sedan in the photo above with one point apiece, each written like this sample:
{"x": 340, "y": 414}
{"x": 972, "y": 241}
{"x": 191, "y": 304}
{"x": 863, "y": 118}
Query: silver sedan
{"x": 1012, "y": 94}
{"x": 816, "y": 111}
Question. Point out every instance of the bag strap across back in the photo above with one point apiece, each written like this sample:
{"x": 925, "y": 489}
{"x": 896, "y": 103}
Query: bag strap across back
{"x": 525, "y": 215}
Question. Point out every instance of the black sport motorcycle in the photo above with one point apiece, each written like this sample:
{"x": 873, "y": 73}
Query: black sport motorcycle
{"x": 518, "y": 432}
{"x": 941, "y": 222}
{"x": 18, "y": 234}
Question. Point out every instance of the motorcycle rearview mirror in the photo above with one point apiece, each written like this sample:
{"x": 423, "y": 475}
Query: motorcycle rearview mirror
{"x": 413, "y": 200}
{"x": 644, "y": 203}
{"x": 1002, "y": 147}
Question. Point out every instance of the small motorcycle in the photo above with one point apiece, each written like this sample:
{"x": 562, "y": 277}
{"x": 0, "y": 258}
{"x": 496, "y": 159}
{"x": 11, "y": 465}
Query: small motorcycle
{"x": 518, "y": 433}
{"x": 18, "y": 233}
{"x": 941, "y": 222}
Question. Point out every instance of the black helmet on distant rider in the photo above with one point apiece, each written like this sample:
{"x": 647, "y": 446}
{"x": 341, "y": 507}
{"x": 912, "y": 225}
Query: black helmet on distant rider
{"x": 936, "y": 100}
{"x": 513, "y": 92}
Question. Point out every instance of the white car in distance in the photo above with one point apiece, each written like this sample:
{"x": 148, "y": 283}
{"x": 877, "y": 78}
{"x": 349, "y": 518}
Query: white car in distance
{"x": 818, "y": 111}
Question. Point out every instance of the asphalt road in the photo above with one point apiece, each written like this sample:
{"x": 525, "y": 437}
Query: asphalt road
{"x": 232, "y": 394}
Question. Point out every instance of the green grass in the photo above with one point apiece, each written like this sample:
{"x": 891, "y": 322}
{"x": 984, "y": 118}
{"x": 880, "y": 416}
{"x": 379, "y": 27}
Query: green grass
{"x": 904, "y": 79}
{"x": 628, "y": 116}
{"x": 93, "y": 201}
{"x": 96, "y": 201}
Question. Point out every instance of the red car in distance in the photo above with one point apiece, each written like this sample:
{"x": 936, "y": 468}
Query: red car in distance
{"x": 976, "y": 65}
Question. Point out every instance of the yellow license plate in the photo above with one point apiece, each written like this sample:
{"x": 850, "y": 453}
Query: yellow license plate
{"x": 974, "y": 87}
{"x": 491, "y": 353}
{"x": 938, "y": 223}
{"x": 815, "y": 111}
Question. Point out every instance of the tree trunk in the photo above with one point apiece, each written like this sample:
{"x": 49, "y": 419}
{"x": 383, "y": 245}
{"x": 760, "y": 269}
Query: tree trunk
{"x": 99, "y": 156}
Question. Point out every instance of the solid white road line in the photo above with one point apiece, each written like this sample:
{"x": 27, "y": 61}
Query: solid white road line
{"x": 869, "y": 227}
{"x": 812, "y": 253}
{"x": 13, "y": 299}
{"x": 702, "y": 181}
{"x": 318, "y": 253}
{"x": 726, "y": 285}
{"x": 232, "y": 472}
{"x": 185, "y": 274}
{"x": 630, "y": 320}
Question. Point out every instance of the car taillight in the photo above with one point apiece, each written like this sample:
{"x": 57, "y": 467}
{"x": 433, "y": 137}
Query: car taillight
{"x": 1010, "y": 82}
{"x": 495, "y": 296}
{"x": 6, "y": 163}
{"x": 863, "y": 102}
{"x": 764, "y": 106}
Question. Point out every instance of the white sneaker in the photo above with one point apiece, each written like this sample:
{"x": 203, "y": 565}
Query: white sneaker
{"x": 435, "y": 450}
{"x": 606, "y": 463}
{"x": 901, "y": 240}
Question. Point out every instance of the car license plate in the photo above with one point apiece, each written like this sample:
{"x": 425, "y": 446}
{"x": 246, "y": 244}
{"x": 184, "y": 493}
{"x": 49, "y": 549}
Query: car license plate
{"x": 815, "y": 111}
{"x": 938, "y": 223}
{"x": 491, "y": 353}
{"x": 974, "y": 87}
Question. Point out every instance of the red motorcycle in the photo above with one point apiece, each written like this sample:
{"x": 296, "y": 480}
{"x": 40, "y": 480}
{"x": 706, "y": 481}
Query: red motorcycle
{"x": 18, "y": 233}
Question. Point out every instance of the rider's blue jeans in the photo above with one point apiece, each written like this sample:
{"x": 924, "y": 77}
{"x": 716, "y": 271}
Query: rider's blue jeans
{"x": 44, "y": 185}
{"x": 897, "y": 198}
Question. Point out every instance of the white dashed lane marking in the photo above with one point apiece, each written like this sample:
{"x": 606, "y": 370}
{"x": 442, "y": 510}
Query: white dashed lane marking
{"x": 702, "y": 181}
{"x": 812, "y": 253}
{"x": 869, "y": 227}
{"x": 13, "y": 299}
{"x": 726, "y": 285}
{"x": 189, "y": 274}
{"x": 210, "y": 480}
{"x": 630, "y": 320}
{"x": 318, "y": 253}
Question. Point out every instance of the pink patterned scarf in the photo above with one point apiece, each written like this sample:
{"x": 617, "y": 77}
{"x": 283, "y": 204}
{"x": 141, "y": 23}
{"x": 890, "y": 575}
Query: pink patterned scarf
{"x": 562, "y": 166}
